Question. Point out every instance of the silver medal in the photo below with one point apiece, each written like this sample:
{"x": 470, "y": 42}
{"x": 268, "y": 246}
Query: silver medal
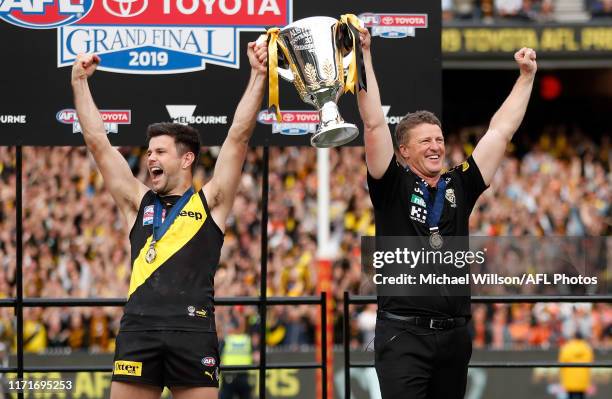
{"x": 435, "y": 240}
{"x": 151, "y": 254}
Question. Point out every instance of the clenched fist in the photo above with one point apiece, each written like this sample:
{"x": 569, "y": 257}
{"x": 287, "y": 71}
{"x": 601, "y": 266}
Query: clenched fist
{"x": 84, "y": 66}
{"x": 526, "y": 60}
{"x": 258, "y": 55}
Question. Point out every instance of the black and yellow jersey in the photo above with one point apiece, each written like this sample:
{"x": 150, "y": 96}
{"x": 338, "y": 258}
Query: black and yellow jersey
{"x": 175, "y": 291}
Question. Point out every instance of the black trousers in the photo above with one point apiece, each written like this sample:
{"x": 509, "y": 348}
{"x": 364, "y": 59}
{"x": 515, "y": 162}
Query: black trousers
{"x": 418, "y": 363}
{"x": 235, "y": 386}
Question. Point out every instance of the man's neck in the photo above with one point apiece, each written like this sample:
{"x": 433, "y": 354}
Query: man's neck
{"x": 178, "y": 190}
{"x": 431, "y": 181}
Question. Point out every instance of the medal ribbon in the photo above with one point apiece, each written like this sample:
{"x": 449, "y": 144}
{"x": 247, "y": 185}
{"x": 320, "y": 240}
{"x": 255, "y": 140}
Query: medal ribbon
{"x": 434, "y": 211}
{"x": 356, "y": 72}
{"x": 159, "y": 228}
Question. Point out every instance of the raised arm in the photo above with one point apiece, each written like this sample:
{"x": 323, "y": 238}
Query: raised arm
{"x": 377, "y": 137}
{"x": 118, "y": 178}
{"x": 490, "y": 149}
{"x": 221, "y": 189}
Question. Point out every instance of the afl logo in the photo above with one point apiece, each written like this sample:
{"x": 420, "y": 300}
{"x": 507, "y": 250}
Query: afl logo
{"x": 209, "y": 361}
{"x": 44, "y": 14}
{"x": 125, "y": 8}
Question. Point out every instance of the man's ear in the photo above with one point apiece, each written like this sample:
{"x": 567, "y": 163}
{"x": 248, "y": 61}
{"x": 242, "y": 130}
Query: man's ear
{"x": 403, "y": 150}
{"x": 188, "y": 159}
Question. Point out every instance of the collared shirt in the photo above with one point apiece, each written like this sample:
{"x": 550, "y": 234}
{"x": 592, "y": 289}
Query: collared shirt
{"x": 400, "y": 210}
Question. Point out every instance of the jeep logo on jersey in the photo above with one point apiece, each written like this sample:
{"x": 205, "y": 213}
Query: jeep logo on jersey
{"x": 294, "y": 122}
{"x": 168, "y": 36}
{"x": 43, "y": 14}
{"x": 394, "y": 26}
{"x": 111, "y": 118}
{"x": 191, "y": 214}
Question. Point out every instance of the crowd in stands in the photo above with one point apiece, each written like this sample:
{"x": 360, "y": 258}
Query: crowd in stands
{"x": 523, "y": 10}
{"x": 75, "y": 241}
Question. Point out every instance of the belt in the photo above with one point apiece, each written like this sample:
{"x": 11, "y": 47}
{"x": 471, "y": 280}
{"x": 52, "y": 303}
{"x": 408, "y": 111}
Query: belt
{"x": 427, "y": 322}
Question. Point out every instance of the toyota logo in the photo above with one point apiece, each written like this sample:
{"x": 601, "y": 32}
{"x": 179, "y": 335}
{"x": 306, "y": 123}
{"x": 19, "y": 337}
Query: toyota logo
{"x": 124, "y": 8}
{"x": 388, "y": 20}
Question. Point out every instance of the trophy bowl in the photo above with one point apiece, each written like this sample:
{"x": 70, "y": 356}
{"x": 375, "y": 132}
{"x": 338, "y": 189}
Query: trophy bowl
{"x": 312, "y": 56}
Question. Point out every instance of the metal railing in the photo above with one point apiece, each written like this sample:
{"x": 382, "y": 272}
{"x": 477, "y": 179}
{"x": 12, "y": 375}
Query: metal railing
{"x": 349, "y": 299}
{"x": 19, "y": 302}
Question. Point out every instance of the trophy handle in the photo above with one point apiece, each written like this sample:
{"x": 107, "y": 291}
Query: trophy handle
{"x": 286, "y": 74}
{"x": 346, "y": 62}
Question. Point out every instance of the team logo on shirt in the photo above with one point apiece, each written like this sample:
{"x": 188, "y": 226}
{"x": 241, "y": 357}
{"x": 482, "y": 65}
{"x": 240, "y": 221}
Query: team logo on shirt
{"x": 465, "y": 166}
{"x": 450, "y": 197}
{"x": 147, "y": 215}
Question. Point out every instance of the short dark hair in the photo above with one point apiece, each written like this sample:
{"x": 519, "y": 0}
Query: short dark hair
{"x": 412, "y": 120}
{"x": 186, "y": 138}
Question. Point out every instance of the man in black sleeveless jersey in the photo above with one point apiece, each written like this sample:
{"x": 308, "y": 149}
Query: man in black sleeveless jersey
{"x": 167, "y": 335}
{"x": 422, "y": 346}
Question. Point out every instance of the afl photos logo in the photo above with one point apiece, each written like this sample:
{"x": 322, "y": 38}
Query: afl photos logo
{"x": 44, "y": 14}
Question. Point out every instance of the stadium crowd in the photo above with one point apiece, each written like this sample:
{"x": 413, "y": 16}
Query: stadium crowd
{"x": 75, "y": 242}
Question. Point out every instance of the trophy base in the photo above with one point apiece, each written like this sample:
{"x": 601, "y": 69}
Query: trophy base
{"x": 334, "y": 136}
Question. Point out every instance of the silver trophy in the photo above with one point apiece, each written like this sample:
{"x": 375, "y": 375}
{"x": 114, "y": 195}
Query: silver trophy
{"x": 312, "y": 56}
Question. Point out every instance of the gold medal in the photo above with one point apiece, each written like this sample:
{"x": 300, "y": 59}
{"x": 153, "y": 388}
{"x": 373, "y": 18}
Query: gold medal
{"x": 151, "y": 254}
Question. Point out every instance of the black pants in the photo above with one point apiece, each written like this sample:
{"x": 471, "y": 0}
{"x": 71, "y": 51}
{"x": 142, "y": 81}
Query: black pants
{"x": 417, "y": 363}
{"x": 575, "y": 395}
{"x": 235, "y": 386}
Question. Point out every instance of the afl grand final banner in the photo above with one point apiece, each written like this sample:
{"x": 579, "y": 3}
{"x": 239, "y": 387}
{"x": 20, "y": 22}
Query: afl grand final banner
{"x": 185, "y": 61}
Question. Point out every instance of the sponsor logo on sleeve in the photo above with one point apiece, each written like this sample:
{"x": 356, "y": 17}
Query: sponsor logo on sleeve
{"x": 394, "y": 26}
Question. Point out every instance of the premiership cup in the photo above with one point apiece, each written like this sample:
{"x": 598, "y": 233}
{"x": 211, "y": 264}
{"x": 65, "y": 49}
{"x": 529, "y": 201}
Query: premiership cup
{"x": 318, "y": 55}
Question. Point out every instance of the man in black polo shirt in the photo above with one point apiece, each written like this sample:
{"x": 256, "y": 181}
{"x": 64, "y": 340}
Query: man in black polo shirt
{"x": 422, "y": 343}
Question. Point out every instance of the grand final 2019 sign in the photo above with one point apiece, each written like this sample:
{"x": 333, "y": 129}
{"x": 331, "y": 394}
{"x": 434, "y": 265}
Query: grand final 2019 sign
{"x": 185, "y": 61}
